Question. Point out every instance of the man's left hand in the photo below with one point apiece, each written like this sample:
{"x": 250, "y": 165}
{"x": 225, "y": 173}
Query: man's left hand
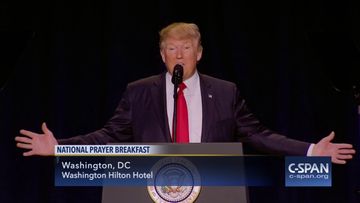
{"x": 339, "y": 152}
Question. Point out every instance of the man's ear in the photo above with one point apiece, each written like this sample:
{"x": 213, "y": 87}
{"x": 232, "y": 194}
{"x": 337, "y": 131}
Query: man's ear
{"x": 199, "y": 55}
{"x": 162, "y": 55}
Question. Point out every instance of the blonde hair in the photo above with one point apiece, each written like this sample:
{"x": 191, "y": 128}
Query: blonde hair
{"x": 180, "y": 31}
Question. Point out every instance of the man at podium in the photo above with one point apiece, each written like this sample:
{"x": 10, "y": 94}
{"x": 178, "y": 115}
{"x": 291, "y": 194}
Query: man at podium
{"x": 207, "y": 110}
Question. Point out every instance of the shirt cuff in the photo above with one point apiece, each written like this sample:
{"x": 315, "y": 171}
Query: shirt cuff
{"x": 310, "y": 150}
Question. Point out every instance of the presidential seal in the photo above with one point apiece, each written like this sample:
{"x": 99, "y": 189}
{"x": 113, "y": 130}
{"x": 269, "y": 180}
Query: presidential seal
{"x": 175, "y": 180}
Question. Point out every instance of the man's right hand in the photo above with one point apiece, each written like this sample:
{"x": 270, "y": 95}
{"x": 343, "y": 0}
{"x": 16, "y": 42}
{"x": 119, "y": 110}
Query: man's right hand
{"x": 37, "y": 144}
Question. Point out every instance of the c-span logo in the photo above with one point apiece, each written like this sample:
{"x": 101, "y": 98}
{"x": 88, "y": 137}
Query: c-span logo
{"x": 175, "y": 180}
{"x": 308, "y": 171}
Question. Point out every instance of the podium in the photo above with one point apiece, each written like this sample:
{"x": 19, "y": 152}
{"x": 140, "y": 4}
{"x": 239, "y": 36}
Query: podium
{"x": 229, "y": 194}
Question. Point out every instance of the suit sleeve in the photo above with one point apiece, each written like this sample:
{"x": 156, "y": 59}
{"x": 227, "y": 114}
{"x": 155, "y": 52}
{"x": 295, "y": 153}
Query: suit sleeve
{"x": 249, "y": 130}
{"x": 117, "y": 129}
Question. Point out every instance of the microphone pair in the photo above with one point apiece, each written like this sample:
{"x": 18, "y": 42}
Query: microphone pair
{"x": 177, "y": 76}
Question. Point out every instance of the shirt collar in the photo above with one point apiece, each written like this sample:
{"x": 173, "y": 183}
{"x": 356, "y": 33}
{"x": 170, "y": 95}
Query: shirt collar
{"x": 190, "y": 82}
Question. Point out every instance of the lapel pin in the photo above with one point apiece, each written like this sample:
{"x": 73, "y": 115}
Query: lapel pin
{"x": 210, "y": 96}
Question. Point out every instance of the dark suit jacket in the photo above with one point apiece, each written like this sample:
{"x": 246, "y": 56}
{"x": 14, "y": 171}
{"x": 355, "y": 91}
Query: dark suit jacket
{"x": 141, "y": 116}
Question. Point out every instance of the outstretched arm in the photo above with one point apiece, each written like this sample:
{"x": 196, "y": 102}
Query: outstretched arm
{"x": 339, "y": 152}
{"x": 37, "y": 144}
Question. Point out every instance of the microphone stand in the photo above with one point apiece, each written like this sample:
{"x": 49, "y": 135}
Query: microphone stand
{"x": 176, "y": 80}
{"x": 175, "y": 112}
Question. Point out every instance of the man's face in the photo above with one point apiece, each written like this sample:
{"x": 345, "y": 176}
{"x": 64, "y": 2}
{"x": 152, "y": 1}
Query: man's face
{"x": 185, "y": 52}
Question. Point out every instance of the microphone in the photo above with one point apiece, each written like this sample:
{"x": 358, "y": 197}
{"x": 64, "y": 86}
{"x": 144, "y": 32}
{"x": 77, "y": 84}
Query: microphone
{"x": 177, "y": 76}
{"x": 176, "y": 79}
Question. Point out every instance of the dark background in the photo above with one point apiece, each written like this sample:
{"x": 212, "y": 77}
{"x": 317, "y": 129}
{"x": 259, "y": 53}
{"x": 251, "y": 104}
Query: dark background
{"x": 68, "y": 62}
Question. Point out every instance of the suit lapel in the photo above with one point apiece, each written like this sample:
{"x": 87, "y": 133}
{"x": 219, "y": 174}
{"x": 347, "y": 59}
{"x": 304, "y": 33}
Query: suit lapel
{"x": 158, "y": 93}
{"x": 208, "y": 107}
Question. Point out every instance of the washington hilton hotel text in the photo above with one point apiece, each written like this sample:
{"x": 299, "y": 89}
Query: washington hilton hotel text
{"x": 90, "y": 171}
{"x": 94, "y": 167}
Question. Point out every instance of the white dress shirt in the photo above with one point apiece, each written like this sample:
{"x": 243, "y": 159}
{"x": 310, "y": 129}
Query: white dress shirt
{"x": 192, "y": 95}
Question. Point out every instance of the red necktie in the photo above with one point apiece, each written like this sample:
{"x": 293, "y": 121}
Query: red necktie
{"x": 182, "y": 123}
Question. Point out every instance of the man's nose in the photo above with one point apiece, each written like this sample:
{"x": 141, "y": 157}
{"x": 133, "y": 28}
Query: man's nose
{"x": 179, "y": 54}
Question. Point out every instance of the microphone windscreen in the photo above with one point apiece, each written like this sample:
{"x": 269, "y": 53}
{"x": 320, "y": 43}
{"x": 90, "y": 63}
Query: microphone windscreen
{"x": 177, "y": 76}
